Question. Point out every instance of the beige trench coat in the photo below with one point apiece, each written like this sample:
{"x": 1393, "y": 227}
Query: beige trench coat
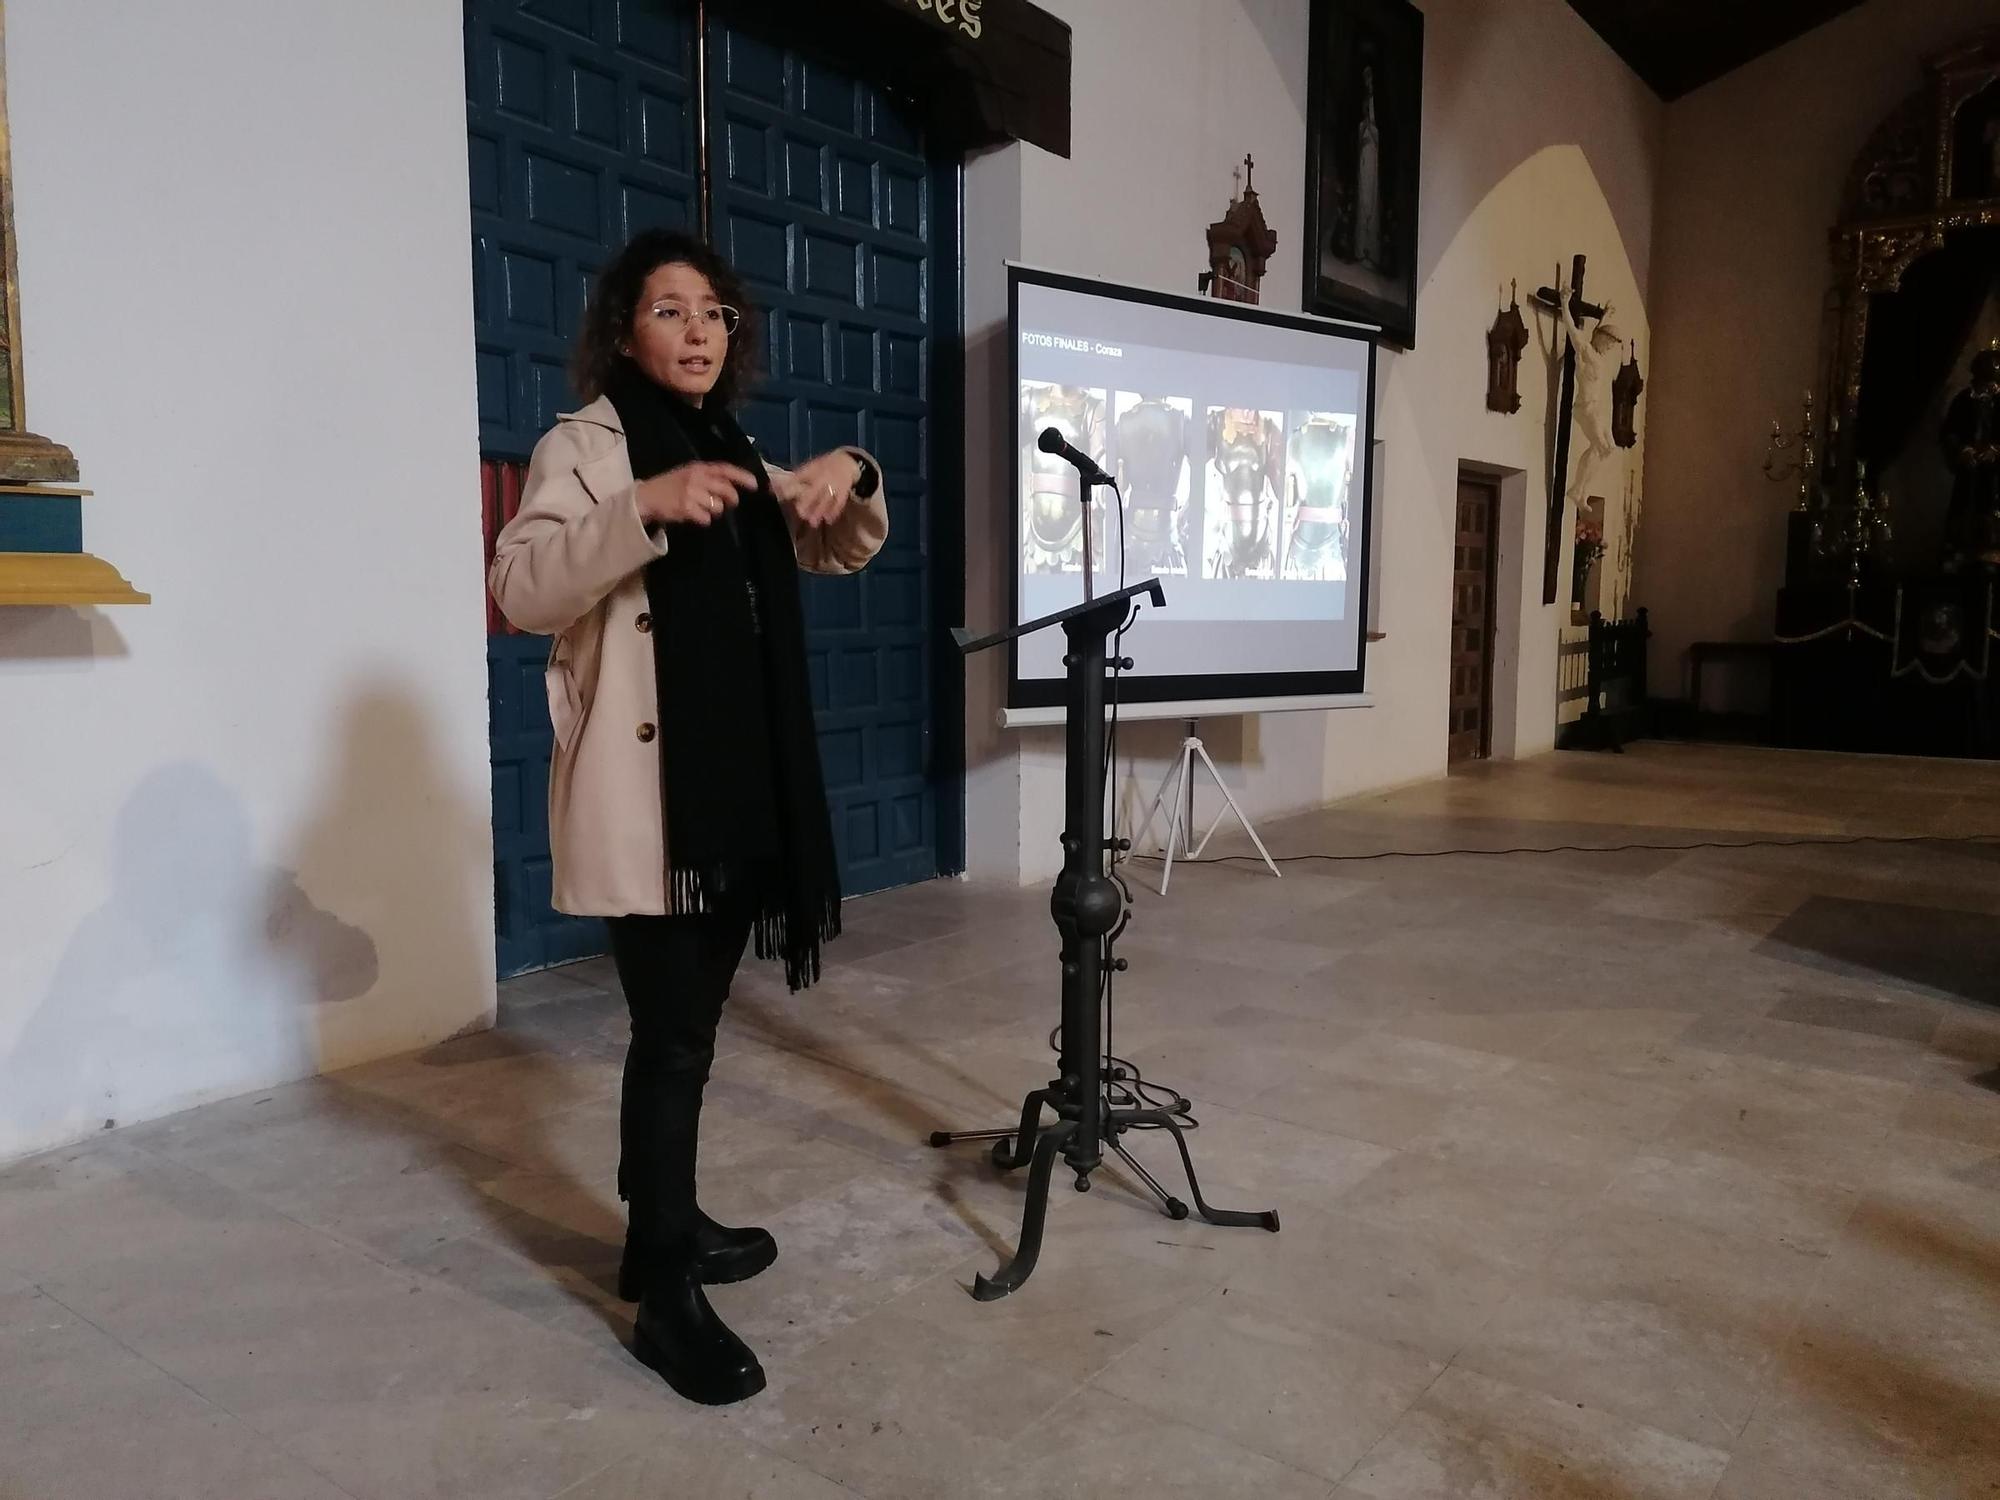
{"x": 571, "y": 564}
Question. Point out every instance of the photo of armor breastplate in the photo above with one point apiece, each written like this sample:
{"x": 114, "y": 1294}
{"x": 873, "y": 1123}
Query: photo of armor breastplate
{"x": 1316, "y": 494}
{"x": 1053, "y": 536}
{"x": 1152, "y": 467}
{"x": 1241, "y": 454}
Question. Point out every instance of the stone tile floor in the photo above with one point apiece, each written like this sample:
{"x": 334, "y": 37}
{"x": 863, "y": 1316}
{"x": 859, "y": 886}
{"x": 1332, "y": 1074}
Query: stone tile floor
{"x": 1652, "y": 1175}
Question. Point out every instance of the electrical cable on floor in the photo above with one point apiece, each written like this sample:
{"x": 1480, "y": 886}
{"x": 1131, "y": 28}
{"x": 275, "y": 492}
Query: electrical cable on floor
{"x": 1830, "y": 841}
{"x": 1126, "y": 1087}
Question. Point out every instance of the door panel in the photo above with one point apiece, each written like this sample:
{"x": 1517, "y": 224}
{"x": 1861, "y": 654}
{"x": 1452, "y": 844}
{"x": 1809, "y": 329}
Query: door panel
{"x": 582, "y": 128}
{"x": 580, "y": 118}
{"x": 822, "y": 200}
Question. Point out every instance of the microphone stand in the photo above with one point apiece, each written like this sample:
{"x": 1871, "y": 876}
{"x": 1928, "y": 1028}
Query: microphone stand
{"x": 1088, "y": 907}
{"x": 1090, "y": 484}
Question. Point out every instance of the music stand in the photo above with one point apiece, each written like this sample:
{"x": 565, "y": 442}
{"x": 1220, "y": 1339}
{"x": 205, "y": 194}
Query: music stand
{"x": 1089, "y": 911}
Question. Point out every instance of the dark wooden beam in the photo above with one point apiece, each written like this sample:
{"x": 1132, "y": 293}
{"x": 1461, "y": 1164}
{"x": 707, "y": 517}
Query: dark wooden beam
{"x": 1676, "y": 46}
{"x": 998, "y": 73}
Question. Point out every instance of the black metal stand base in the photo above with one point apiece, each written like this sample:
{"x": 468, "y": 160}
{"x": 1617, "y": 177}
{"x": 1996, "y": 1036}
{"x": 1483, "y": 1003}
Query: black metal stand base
{"x": 1088, "y": 907}
{"x": 1037, "y": 1145}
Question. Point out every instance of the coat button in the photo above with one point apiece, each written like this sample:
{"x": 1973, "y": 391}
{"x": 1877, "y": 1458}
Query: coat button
{"x": 646, "y": 733}
{"x": 645, "y": 624}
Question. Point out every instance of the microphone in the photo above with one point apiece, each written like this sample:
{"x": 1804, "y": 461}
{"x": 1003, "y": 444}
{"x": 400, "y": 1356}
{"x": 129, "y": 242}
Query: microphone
{"x": 1051, "y": 441}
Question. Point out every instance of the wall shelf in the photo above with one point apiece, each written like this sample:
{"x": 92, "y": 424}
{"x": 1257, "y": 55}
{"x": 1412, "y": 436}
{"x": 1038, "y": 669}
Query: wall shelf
{"x": 42, "y": 561}
{"x": 63, "y": 578}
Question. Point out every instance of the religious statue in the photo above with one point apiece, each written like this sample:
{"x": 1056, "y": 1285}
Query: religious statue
{"x": 1592, "y": 384}
{"x": 1971, "y": 439}
{"x": 1505, "y": 342}
{"x": 1582, "y": 368}
{"x": 1625, "y": 402}
{"x": 1368, "y": 179}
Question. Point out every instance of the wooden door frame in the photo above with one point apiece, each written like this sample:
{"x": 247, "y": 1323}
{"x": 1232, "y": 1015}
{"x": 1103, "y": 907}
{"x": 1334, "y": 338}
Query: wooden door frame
{"x": 946, "y": 732}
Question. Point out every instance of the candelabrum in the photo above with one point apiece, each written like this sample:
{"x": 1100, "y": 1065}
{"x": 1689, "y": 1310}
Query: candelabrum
{"x": 1804, "y": 467}
{"x": 1855, "y": 529}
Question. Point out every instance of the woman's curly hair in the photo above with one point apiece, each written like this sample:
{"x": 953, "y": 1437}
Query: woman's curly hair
{"x": 614, "y": 305}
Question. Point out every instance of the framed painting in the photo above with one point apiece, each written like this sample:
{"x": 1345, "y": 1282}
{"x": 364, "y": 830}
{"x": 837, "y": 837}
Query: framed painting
{"x": 24, "y": 457}
{"x": 1364, "y": 134}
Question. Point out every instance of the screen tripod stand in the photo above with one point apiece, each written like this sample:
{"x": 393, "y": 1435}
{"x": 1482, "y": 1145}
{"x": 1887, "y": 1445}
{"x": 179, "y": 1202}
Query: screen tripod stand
{"x": 1088, "y": 906}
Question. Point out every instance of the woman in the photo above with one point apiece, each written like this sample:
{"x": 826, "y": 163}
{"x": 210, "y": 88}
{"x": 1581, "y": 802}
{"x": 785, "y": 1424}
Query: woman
{"x": 685, "y": 798}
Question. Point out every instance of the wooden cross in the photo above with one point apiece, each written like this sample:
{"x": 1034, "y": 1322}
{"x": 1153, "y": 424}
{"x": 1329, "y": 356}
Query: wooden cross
{"x": 1549, "y": 299}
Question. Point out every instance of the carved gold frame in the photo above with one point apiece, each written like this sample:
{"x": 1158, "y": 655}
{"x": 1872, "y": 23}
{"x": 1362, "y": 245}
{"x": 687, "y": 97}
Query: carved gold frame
{"x": 24, "y": 457}
{"x": 1872, "y": 252}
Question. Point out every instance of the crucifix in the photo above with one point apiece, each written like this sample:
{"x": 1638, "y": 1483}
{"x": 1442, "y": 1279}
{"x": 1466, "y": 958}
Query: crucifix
{"x": 1550, "y": 299}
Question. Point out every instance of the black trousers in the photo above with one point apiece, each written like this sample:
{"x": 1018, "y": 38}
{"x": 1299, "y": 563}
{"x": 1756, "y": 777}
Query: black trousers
{"x": 676, "y": 973}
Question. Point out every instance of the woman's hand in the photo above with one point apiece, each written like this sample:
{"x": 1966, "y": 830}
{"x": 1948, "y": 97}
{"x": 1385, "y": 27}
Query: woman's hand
{"x": 695, "y": 493}
{"x": 817, "y": 492}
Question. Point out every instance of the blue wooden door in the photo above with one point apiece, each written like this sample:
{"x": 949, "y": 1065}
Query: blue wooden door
{"x": 822, "y": 197}
{"x": 582, "y": 130}
{"x": 583, "y": 126}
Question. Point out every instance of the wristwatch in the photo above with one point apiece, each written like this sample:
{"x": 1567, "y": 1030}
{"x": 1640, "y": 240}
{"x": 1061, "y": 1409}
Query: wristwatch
{"x": 871, "y": 476}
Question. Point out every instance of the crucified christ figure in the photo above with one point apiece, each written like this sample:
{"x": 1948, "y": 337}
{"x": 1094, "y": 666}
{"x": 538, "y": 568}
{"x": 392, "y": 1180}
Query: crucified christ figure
{"x": 1593, "y": 387}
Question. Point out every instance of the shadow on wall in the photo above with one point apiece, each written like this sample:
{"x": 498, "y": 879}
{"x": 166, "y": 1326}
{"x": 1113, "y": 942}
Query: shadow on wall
{"x": 1281, "y": 25}
{"x": 394, "y": 834}
{"x": 208, "y": 972}
{"x": 69, "y": 639}
{"x": 1477, "y": 54}
{"x": 197, "y": 972}
{"x": 989, "y": 567}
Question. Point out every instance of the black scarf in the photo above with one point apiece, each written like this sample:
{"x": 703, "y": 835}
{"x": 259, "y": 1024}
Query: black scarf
{"x": 746, "y": 818}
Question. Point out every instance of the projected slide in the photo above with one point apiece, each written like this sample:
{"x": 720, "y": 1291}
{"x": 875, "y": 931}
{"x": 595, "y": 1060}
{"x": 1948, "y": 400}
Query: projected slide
{"x": 1245, "y": 459}
{"x": 1052, "y": 506}
{"x": 1319, "y": 475}
{"x": 1157, "y": 481}
{"x": 1239, "y": 439}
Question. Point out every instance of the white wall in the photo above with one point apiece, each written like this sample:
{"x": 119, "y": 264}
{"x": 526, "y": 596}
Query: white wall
{"x": 1750, "y": 186}
{"x": 244, "y": 833}
{"x": 1170, "y": 95}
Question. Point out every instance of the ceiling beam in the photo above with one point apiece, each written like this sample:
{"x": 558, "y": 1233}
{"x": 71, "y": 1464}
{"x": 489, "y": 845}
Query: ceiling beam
{"x": 1676, "y": 46}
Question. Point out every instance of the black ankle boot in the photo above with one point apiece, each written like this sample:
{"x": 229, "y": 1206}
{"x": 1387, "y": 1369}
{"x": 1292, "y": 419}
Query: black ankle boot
{"x": 680, "y": 1338}
{"x": 724, "y": 1255}
{"x": 721, "y": 1255}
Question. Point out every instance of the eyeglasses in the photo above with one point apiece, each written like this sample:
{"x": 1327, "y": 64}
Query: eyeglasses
{"x": 676, "y": 316}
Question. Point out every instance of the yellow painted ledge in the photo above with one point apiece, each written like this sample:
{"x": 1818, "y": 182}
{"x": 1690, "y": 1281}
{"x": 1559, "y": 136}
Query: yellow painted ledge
{"x": 59, "y": 578}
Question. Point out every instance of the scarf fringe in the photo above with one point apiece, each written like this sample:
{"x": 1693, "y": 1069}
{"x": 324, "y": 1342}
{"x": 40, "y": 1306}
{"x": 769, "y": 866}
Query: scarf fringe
{"x": 687, "y": 892}
{"x": 774, "y": 936}
{"x": 773, "y": 932}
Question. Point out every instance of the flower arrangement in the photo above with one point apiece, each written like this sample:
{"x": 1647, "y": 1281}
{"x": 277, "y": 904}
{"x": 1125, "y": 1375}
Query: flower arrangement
{"x": 1589, "y": 548}
{"x": 1589, "y": 537}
